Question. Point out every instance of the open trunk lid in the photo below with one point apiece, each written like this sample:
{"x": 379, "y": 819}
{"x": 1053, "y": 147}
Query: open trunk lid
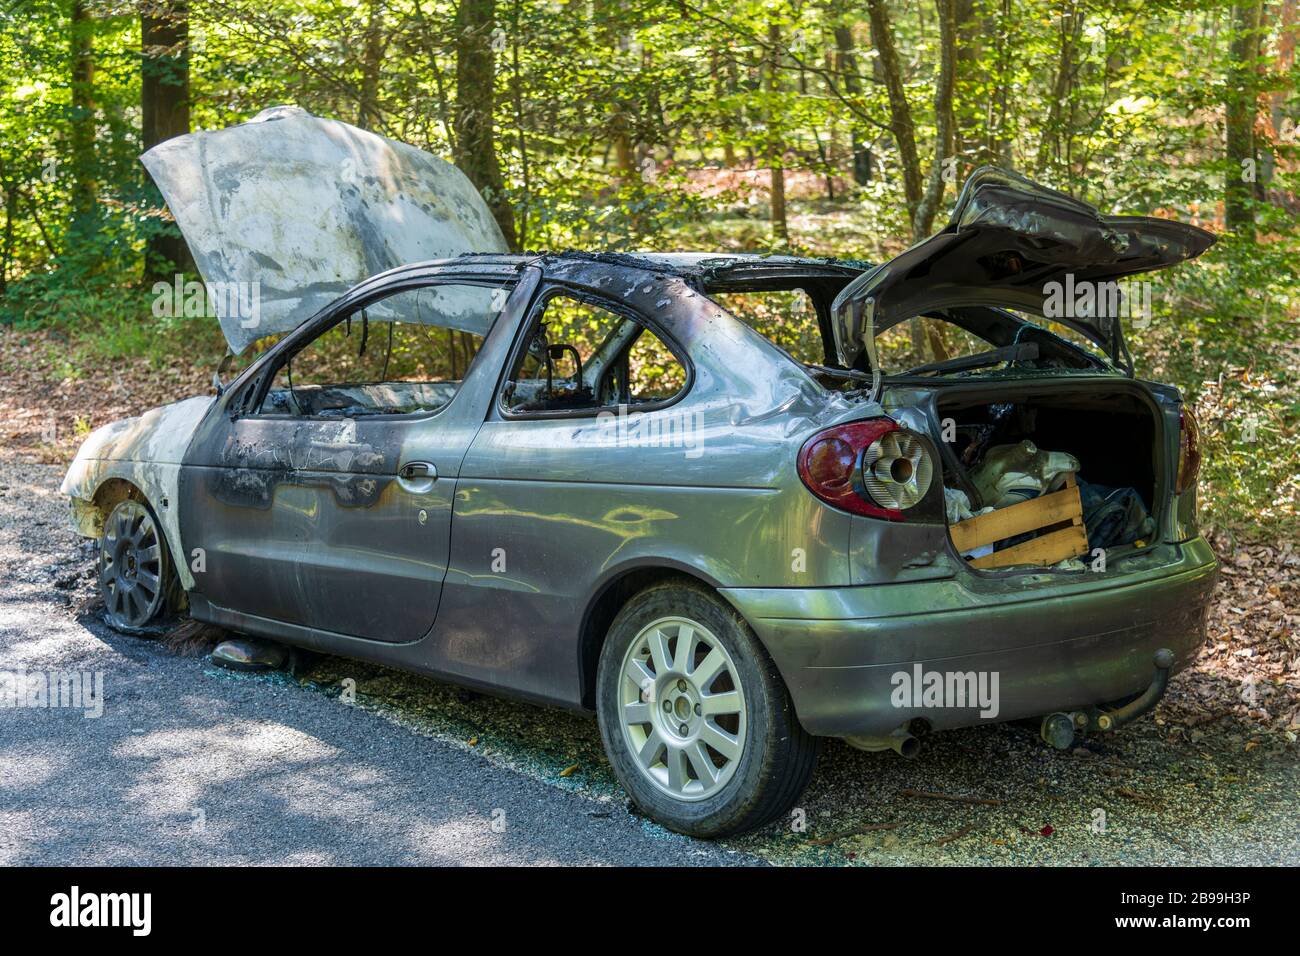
{"x": 1012, "y": 243}
{"x": 286, "y": 212}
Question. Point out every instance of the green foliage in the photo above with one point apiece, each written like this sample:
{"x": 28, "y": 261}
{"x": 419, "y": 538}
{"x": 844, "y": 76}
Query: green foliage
{"x": 1226, "y": 332}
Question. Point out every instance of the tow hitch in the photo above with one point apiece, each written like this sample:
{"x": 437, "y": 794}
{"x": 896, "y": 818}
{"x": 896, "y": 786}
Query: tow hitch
{"x": 1059, "y": 729}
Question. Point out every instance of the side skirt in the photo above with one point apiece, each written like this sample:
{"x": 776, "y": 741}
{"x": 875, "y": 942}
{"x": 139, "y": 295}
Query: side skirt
{"x": 410, "y": 657}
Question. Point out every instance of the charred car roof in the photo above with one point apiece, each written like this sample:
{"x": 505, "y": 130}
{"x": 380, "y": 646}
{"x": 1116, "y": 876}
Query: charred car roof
{"x": 710, "y": 271}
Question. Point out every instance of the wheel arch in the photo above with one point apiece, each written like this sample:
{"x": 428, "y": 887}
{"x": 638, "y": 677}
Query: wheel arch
{"x": 111, "y": 491}
{"x": 115, "y": 482}
{"x": 608, "y": 598}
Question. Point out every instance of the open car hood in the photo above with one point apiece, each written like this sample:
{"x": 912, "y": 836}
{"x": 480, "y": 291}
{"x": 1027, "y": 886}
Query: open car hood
{"x": 1008, "y": 241}
{"x": 287, "y": 211}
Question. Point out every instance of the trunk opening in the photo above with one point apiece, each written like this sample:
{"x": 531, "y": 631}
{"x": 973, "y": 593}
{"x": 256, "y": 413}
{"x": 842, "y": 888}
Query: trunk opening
{"x": 1115, "y": 434}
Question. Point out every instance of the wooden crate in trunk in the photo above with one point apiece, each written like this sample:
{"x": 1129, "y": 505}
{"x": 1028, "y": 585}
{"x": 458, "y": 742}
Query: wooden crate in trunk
{"x": 1057, "y": 516}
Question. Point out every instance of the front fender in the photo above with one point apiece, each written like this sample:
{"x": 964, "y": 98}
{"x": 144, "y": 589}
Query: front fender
{"x": 147, "y": 451}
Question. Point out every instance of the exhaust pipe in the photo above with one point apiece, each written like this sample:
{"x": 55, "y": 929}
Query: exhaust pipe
{"x": 905, "y": 745}
{"x": 900, "y": 742}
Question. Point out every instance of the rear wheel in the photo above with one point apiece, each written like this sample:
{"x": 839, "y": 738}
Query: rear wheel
{"x": 135, "y": 573}
{"x": 695, "y": 718}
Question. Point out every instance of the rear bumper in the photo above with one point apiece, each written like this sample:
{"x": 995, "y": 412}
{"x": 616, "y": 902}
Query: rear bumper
{"x": 1043, "y": 643}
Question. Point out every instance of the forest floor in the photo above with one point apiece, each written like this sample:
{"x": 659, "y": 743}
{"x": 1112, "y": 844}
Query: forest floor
{"x": 1211, "y": 777}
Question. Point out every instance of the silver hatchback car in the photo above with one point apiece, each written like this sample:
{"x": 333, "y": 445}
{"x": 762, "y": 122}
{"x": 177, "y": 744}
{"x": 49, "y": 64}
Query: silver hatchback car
{"x": 709, "y": 497}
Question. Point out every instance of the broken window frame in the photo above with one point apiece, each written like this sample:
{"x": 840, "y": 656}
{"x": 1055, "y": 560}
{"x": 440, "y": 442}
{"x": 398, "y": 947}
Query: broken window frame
{"x": 305, "y": 335}
{"x": 528, "y": 328}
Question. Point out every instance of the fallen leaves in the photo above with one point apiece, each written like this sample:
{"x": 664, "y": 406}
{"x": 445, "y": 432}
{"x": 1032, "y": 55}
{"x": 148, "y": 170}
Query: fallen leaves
{"x": 45, "y": 414}
{"x": 1249, "y": 668}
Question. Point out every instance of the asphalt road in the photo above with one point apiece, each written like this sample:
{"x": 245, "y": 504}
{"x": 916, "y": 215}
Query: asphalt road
{"x": 190, "y": 764}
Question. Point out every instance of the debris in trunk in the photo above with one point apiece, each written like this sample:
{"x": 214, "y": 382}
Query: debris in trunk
{"x": 1000, "y": 461}
{"x": 1114, "y": 516}
{"x": 1013, "y": 473}
{"x": 958, "y": 507}
{"x": 1038, "y": 531}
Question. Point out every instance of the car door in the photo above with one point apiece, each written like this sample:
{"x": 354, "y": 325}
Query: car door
{"x": 322, "y": 497}
{"x": 552, "y": 489}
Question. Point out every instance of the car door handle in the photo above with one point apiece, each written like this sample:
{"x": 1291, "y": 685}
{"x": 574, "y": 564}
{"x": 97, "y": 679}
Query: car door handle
{"x": 418, "y": 469}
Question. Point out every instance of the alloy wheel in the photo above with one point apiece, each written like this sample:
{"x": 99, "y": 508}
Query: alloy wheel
{"x": 131, "y": 566}
{"x": 682, "y": 708}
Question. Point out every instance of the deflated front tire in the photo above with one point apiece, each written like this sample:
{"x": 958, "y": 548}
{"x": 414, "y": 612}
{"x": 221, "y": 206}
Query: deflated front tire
{"x": 696, "y": 721}
{"x": 135, "y": 572}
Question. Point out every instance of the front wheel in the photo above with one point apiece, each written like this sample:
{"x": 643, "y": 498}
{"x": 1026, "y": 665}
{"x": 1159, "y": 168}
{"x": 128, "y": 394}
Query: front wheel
{"x": 696, "y": 721}
{"x": 135, "y": 573}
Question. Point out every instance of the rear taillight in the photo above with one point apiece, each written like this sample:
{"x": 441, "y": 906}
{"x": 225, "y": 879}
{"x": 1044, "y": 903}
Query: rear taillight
{"x": 871, "y": 468}
{"x": 1189, "y": 450}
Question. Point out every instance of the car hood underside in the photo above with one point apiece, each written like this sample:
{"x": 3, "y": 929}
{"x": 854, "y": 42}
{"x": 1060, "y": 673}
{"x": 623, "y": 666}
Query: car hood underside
{"x": 286, "y": 212}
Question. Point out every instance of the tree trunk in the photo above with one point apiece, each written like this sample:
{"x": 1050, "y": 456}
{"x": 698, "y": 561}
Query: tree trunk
{"x": 11, "y": 214}
{"x": 923, "y": 219}
{"x": 775, "y": 148}
{"x": 1240, "y": 109}
{"x": 733, "y": 83}
{"x": 1286, "y": 37}
{"x": 846, "y": 63}
{"x": 620, "y": 120}
{"x": 164, "y": 113}
{"x": 83, "y": 117}
{"x": 890, "y": 72}
{"x": 999, "y": 142}
{"x": 720, "y": 91}
{"x": 900, "y": 111}
{"x": 517, "y": 94}
{"x": 970, "y": 76}
{"x": 444, "y": 103}
{"x": 476, "y": 153}
{"x": 1071, "y": 29}
{"x": 371, "y": 58}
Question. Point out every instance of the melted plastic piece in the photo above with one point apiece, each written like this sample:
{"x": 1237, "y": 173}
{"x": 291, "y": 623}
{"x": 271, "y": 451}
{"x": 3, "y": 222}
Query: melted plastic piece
{"x": 1013, "y": 473}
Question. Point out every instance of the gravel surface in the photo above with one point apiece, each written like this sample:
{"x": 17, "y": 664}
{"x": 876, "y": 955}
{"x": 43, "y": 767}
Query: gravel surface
{"x": 192, "y": 764}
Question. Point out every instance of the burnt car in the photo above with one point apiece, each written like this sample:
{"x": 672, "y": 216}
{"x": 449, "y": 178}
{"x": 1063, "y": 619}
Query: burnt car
{"x": 711, "y": 498}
